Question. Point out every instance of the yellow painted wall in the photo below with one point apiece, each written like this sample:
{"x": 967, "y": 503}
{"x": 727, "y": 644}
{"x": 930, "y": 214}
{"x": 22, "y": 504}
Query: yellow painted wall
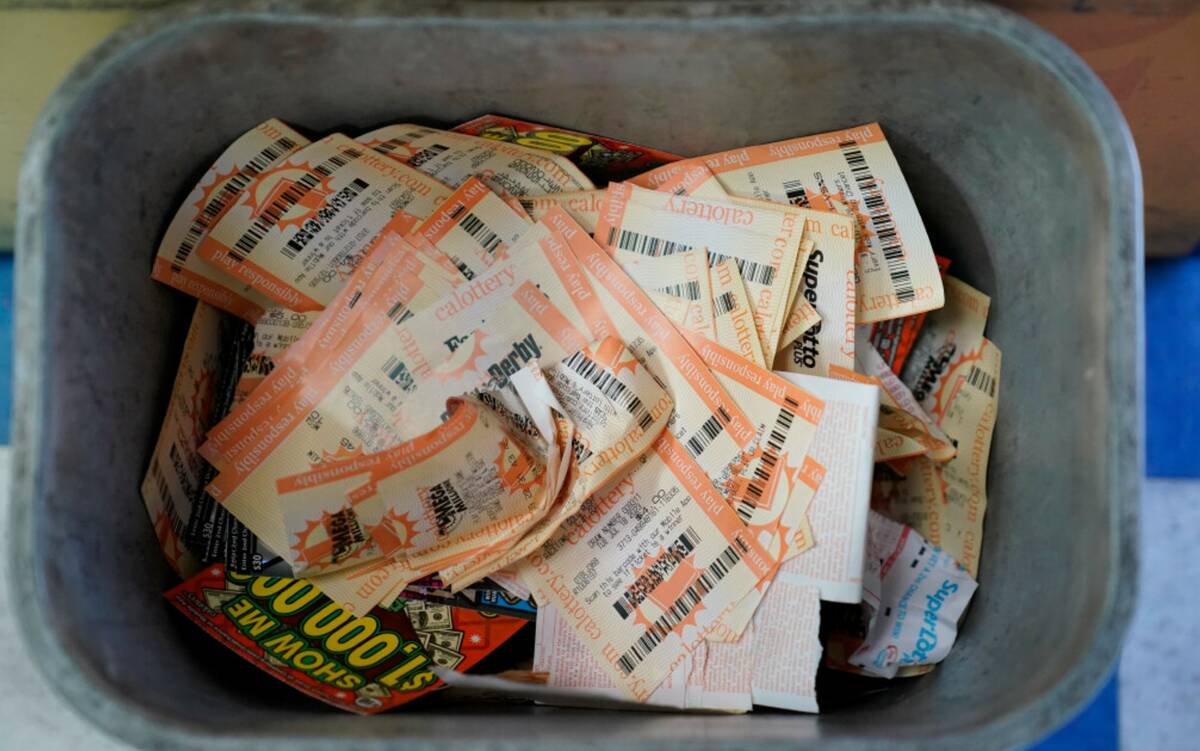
{"x": 37, "y": 48}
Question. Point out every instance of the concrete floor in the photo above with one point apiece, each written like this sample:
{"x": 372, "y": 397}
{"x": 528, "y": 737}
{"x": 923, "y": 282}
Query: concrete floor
{"x": 1159, "y": 673}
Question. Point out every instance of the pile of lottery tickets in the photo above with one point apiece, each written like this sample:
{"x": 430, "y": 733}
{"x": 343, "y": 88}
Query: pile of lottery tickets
{"x": 445, "y": 384}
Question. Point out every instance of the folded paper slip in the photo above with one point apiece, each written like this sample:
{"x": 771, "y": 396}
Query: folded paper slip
{"x": 916, "y": 592}
{"x": 299, "y": 230}
{"x": 177, "y": 263}
{"x": 762, "y": 240}
{"x": 898, "y": 271}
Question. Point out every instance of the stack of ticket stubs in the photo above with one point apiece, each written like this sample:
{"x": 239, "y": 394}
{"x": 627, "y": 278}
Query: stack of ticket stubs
{"x": 661, "y": 408}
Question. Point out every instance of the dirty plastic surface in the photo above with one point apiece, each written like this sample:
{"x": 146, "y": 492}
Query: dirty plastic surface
{"x": 1022, "y": 168}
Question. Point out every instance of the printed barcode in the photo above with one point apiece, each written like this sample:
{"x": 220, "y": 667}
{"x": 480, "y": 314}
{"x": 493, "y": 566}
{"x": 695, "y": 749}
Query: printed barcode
{"x": 612, "y": 389}
{"x": 758, "y": 273}
{"x": 427, "y": 153}
{"x": 724, "y": 303}
{"x": 480, "y": 232}
{"x": 272, "y": 215}
{"x": 164, "y": 494}
{"x": 324, "y": 215}
{"x": 881, "y": 220}
{"x": 679, "y": 609}
{"x": 768, "y": 461}
{"x": 656, "y": 573}
{"x": 707, "y": 432}
{"x": 232, "y": 188}
{"x": 982, "y": 380}
{"x": 796, "y": 194}
{"x": 646, "y": 245}
{"x": 399, "y": 313}
{"x": 396, "y": 371}
{"x": 461, "y": 266}
{"x": 687, "y": 290}
{"x": 390, "y": 145}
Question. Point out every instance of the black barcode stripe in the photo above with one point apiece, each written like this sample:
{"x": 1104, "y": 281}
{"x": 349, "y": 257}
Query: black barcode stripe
{"x": 686, "y": 603}
{"x": 724, "y": 303}
{"x": 273, "y": 214}
{"x": 711, "y": 428}
{"x": 229, "y": 192}
{"x": 687, "y": 290}
{"x": 759, "y": 273}
{"x": 612, "y": 388}
{"x": 399, "y": 313}
{"x": 480, "y": 232}
{"x": 630, "y": 599}
{"x": 796, "y": 194}
{"x": 647, "y": 245}
{"x": 882, "y": 222}
{"x": 768, "y": 461}
{"x": 982, "y": 380}
{"x": 333, "y": 205}
{"x": 427, "y": 153}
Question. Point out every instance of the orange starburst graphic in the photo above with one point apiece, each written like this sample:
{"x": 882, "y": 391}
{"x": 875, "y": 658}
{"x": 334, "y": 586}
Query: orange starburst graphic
{"x": 668, "y": 592}
{"x": 463, "y": 361}
{"x": 281, "y": 191}
{"x": 952, "y": 382}
{"x": 611, "y": 354}
{"x": 212, "y": 191}
{"x": 516, "y": 469}
{"x": 395, "y": 532}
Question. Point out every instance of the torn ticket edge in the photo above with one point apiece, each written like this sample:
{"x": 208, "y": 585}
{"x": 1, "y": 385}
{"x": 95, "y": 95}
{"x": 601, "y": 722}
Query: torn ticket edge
{"x": 763, "y": 240}
{"x": 917, "y": 592}
{"x": 176, "y": 263}
{"x": 901, "y": 434}
{"x": 843, "y": 452}
{"x": 300, "y": 229}
{"x": 774, "y": 663}
{"x": 898, "y": 273}
{"x": 766, "y": 485}
{"x": 453, "y": 158}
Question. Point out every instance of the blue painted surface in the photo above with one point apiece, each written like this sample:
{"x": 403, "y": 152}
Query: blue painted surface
{"x": 1173, "y": 367}
{"x": 1094, "y": 729}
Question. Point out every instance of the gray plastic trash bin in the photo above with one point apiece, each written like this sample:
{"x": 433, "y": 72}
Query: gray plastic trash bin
{"x": 1022, "y": 167}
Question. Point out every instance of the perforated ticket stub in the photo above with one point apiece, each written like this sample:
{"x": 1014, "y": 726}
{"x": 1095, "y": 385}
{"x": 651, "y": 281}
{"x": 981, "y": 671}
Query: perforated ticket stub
{"x": 762, "y": 240}
{"x": 177, "y": 264}
{"x": 897, "y": 270}
{"x": 299, "y": 230}
{"x": 507, "y": 168}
